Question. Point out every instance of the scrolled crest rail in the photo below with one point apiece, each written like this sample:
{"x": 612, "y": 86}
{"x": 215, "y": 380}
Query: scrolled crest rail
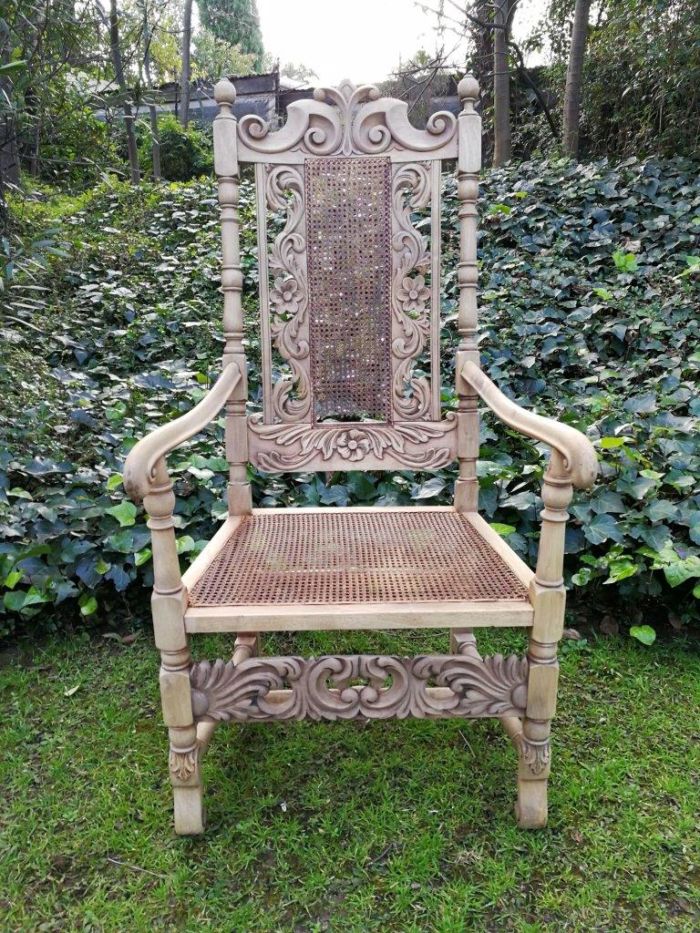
{"x": 347, "y": 120}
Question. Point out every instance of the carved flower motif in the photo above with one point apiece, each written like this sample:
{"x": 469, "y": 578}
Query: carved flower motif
{"x": 413, "y": 293}
{"x": 285, "y": 295}
{"x": 353, "y": 444}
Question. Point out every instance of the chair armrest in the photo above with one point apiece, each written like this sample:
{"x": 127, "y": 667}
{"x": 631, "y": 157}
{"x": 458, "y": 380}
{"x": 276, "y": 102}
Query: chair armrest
{"x": 141, "y": 464}
{"x": 579, "y": 458}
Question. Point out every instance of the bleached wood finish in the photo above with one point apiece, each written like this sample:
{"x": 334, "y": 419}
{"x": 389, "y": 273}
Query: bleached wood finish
{"x": 346, "y": 121}
{"x": 226, "y": 168}
{"x": 325, "y": 688}
{"x": 342, "y": 617}
{"x": 167, "y": 605}
{"x": 205, "y": 557}
{"x": 468, "y": 168}
{"x": 578, "y": 464}
{"x": 355, "y": 122}
{"x": 140, "y": 466}
{"x": 573, "y": 463}
{"x": 420, "y": 445}
{"x": 501, "y": 547}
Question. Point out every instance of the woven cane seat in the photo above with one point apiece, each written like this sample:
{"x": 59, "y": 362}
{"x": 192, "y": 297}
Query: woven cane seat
{"x": 336, "y": 556}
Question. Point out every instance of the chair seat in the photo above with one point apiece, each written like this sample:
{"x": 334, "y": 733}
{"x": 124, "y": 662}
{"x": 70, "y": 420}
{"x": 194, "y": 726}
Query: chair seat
{"x": 304, "y": 561}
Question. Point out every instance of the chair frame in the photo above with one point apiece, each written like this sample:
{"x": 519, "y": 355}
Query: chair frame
{"x": 521, "y": 692}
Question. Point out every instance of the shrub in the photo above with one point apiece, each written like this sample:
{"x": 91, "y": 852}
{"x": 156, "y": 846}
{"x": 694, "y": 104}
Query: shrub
{"x": 589, "y": 284}
{"x": 185, "y": 152}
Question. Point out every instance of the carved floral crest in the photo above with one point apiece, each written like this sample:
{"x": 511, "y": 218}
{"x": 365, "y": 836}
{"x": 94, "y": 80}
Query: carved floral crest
{"x": 289, "y": 447}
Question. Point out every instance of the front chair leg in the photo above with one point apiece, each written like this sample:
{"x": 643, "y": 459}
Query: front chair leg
{"x": 184, "y": 755}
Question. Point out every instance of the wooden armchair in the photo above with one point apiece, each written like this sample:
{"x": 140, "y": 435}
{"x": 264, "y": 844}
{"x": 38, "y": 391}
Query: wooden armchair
{"x": 350, "y": 328}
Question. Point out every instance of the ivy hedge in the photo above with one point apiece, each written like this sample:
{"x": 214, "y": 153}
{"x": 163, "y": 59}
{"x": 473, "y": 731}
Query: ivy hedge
{"x": 589, "y": 284}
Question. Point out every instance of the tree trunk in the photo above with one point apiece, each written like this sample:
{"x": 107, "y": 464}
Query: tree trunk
{"x": 119, "y": 74}
{"x": 572, "y": 95}
{"x": 9, "y": 153}
{"x": 501, "y": 83}
{"x": 152, "y": 110}
{"x": 185, "y": 74}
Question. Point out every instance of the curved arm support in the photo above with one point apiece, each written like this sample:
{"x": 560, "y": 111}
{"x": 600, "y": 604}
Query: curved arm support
{"x": 141, "y": 465}
{"x": 579, "y": 460}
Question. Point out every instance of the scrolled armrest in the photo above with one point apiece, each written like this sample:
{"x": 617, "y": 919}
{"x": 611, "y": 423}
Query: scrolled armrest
{"x": 141, "y": 463}
{"x": 578, "y": 456}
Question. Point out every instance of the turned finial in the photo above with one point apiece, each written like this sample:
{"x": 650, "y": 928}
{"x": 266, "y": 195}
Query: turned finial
{"x": 468, "y": 89}
{"x": 225, "y": 93}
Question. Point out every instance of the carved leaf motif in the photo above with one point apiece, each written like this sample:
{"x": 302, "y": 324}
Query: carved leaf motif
{"x": 183, "y": 764}
{"x": 323, "y": 688}
{"x": 222, "y": 691}
{"x": 362, "y": 438}
{"x": 534, "y": 754}
{"x": 493, "y": 686}
{"x": 410, "y": 295}
{"x": 289, "y": 294}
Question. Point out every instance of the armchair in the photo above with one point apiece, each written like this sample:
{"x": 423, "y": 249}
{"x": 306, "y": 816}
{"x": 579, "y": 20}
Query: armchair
{"x": 349, "y": 315}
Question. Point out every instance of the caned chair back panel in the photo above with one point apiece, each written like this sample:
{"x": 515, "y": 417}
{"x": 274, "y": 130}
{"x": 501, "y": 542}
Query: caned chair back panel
{"x": 348, "y": 213}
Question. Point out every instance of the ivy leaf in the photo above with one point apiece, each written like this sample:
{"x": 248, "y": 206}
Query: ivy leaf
{"x": 602, "y": 528}
{"x": 114, "y": 482}
{"x": 643, "y": 633}
{"x": 335, "y": 495}
{"x": 660, "y": 510}
{"x": 502, "y": 530}
{"x": 682, "y": 570}
{"x": 621, "y": 570}
{"x": 88, "y": 605}
{"x": 429, "y": 489}
{"x": 185, "y": 544}
{"x": 625, "y": 262}
{"x": 141, "y": 557}
{"x": 125, "y": 513}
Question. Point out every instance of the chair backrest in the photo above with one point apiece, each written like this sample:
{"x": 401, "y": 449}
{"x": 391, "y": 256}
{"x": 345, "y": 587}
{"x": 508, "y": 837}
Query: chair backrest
{"x": 349, "y": 276}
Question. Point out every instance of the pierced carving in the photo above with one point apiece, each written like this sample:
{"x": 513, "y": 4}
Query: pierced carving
{"x": 288, "y": 447}
{"x": 291, "y": 395}
{"x": 323, "y": 688}
{"x": 183, "y": 764}
{"x": 410, "y": 296}
{"x": 344, "y": 121}
{"x": 535, "y": 754}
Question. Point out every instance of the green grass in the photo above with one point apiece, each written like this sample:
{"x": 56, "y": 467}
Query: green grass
{"x": 382, "y": 826}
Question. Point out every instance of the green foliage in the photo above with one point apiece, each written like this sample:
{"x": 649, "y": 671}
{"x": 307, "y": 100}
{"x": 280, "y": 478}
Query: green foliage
{"x": 235, "y": 22}
{"x": 185, "y": 152}
{"x": 641, "y": 75}
{"x": 129, "y": 337}
{"x": 213, "y": 57}
{"x": 43, "y": 89}
{"x": 587, "y": 315}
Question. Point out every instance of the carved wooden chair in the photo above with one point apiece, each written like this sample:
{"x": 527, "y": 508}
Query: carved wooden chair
{"x": 350, "y": 328}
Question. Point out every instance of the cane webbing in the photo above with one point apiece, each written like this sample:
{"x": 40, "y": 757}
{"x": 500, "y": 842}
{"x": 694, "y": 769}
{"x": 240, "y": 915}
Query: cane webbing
{"x": 353, "y": 556}
{"x": 348, "y": 221}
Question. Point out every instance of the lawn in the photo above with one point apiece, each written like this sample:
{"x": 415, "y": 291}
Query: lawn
{"x": 383, "y": 826}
